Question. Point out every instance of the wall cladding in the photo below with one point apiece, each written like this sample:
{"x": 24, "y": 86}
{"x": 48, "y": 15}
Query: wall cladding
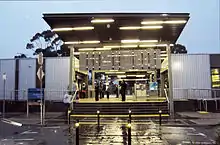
{"x": 57, "y": 78}
{"x": 191, "y": 72}
{"x": 7, "y": 66}
{"x": 27, "y": 76}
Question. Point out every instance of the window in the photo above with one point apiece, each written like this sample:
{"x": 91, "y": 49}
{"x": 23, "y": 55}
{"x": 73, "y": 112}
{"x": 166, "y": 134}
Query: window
{"x": 215, "y": 77}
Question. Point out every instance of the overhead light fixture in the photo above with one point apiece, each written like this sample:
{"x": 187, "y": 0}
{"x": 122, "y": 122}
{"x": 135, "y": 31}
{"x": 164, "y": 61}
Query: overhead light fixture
{"x": 130, "y": 28}
{"x": 73, "y": 28}
{"x": 175, "y": 22}
{"x": 116, "y": 72}
{"x": 83, "y": 42}
{"x": 154, "y": 45}
{"x": 163, "y": 22}
{"x": 130, "y": 41}
{"x": 140, "y": 76}
{"x": 151, "y": 27}
{"x": 103, "y": 49}
{"x": 76, "y": 53}
{"x": 83, "y": 28}
{"x": 86, "y": 49}
{"x": 102, "y": 21}
{"x": 129, "y": 46}
{"x": 140, "y": 27}
{"x": 138, "y": 41}
{"x": 62, "y": 29}
{"x": 121, "y": 76}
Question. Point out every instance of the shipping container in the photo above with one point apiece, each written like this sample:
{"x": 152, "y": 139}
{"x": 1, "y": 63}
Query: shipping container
{"x": 27, "y": 77}
{"x": 7, "y": 66}
{"x": 191, "y": 76}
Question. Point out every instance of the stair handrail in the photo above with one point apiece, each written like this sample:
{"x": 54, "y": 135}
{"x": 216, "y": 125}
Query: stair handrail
{"x": 166, "y": 95}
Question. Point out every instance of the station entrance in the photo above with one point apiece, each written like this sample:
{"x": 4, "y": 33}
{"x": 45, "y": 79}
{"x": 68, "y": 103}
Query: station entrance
{"x": 121, "y": 42}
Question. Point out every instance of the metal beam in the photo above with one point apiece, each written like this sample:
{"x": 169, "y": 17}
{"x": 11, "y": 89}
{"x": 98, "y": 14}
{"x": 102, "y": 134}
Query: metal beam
{"x": 170, "y": 79}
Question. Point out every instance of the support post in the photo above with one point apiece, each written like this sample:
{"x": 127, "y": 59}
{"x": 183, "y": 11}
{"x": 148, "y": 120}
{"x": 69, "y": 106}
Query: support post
{"x": 129, "y": 114}
{"x": 170, "y": 79}
{"x": 129, "y": 133}
{"x": 98, "y": 118}
{"x": 71, "y": 72}
{"x": 93, "y": 84}
{"x": 77, "y": 132}
{"x": 4, "y": 95}
{"x": 160, "y": 117}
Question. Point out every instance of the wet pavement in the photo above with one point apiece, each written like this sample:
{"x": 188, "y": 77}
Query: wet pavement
{"x": 110, "y": 132}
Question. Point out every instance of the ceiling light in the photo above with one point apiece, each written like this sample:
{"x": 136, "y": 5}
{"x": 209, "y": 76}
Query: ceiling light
{"x": 148, "y": 41}
{"x": 136, "y": 76}
{"x": 175, "y": 22}
{"x": 154, "y": 45}
{"x": 83, "y": 28}
{"x": 151, "y": 27}
{"x": 102, "y": 21}
{"x": 102, "y": 48}
{"x": 129, "y": 46}
{"x": 163, "y": 22}
{"x": 86, "y": 49}
{"x": 111, "y": 46}
{"x": 62, "y": 29}
{"x": 130, "y": 28}
{"x": 151, "y": 22}
{"x": 83, "y": 42}
{"x": 130, "y": 41}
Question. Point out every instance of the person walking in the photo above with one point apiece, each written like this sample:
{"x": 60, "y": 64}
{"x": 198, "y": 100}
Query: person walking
{"x": 107, "y": 91}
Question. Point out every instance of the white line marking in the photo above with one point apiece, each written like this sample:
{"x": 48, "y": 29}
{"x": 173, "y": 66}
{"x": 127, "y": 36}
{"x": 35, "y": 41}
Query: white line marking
{"x": 19, "y": 139}
{"x": 29, "y": 132}
{"x": 196, "y": 142}
{"x": 12, "y": 122}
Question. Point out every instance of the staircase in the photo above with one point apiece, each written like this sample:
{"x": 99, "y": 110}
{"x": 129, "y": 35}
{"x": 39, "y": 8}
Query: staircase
{"x": 147, "y": 108}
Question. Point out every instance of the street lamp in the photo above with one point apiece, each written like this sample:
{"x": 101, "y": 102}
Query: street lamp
{"x": 4, "y": 77}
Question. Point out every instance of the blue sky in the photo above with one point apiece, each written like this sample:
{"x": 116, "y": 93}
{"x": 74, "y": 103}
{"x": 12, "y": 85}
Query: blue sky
{"x": 20, "y": 20}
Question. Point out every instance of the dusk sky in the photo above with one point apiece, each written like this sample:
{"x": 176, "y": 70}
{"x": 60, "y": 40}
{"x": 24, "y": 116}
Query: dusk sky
{"x": 20, "y": 20}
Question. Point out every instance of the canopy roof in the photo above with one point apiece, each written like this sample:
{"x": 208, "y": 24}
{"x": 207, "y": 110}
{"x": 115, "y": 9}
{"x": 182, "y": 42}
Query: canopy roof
{"x": 105, "y": 29}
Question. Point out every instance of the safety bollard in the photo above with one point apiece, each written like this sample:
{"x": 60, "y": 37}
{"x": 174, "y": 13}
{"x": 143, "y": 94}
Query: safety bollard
{"x": 129, "y": 133}
{"x": 68, "y": 113}
{"x": 160, "y": 118}
{"x": 77, "y": 132}
{"x": 129, "y": 113}
{"x": 98, "y": 117}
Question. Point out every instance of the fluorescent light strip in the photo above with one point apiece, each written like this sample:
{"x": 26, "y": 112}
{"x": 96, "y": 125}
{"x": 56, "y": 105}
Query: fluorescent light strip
{"x": 73, "y": 28}
{"x": 140, "y": 27}
{"x": 83, "y": 42}
{"x": 136, "y": 75}
{"x": 62, "y": 29}
{"x": 163, "y": 22}
{"x": 102, "y": 21}
{"x": 138, "y": 41}
{"x": 94, "y": 49}
{"x": 83, "y": 28}
{"x": 154, "y": 45}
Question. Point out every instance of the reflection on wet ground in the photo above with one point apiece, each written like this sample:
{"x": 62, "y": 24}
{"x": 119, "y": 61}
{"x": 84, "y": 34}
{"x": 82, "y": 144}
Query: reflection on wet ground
{"x": 113, "y": 133}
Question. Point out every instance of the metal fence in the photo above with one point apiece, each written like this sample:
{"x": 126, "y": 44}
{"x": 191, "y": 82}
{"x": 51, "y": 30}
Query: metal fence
{"x": 196, "y": 94}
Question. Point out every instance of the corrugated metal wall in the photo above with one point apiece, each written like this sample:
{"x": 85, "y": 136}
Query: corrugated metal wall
{"x": 56, "y": 77}
{"x": 191, "y": 72}
{"x": 7, "y": 66}
{"x": 27, "y": 76}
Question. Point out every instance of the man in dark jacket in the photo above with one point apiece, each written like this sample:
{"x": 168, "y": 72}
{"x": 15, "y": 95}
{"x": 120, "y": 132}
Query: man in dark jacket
{"x": 123, "y": 90}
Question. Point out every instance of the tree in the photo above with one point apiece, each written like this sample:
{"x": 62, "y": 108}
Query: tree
{"x": 178, "y": 48}
{"x": 20, "y": 56}
{"x": 49, "y": 43}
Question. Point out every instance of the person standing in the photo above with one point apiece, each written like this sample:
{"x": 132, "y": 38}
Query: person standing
{"x": 123, "y": 90}
{"x": 101, "y": 89}
{"x": 107, "y": 91}
{"x": 96, "y": 91}
{"x": 83, "y": 89}
{"x": 116, "y": 91}
{"x": 67, "y": 101}
{"x": 75, "y": 90}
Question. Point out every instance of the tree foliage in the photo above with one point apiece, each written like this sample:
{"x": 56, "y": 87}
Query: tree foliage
{"x": 49, "y": 43}
{"x": 178, "y": 48}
